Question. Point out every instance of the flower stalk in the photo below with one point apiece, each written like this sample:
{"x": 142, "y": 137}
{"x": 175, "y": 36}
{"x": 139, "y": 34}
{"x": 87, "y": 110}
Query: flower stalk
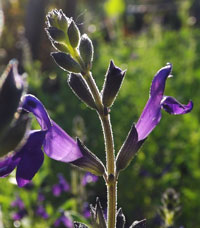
{"x": 109, "y": 148}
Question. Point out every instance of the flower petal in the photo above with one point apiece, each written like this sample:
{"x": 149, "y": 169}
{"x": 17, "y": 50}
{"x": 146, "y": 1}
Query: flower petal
{"x": 158, "y": 83}
{"x": 31, "y": 158}
{"x": 172, "y": 106}
{"x": 8, "y": 165}
{"x": 32, "y": 104}
{"x": 60, "y": 146}
{"x": 151, "y": 114}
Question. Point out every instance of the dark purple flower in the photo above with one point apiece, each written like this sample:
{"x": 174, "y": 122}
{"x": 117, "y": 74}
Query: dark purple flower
{"x": 19, "y": 215}
{"x": 64, "y": 220}
{"x": 57, "y": 144}
{"x": 40, "y": 211}
{"x": 88, "y": 178}
{"x": 151, "y": 114}
{"x": 62, "y": 186}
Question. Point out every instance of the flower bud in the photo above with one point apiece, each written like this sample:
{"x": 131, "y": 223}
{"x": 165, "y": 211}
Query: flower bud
{"x": 56, "y": 18}
{"x": 98, "y": 219}
{"x": 55, "y": 34}
{"x": 80, "y": 88}
{"x": 89, "y": 162}
{"x": 86, "y": 50}
{"x": 52, "y": 18}
{"x": 14, "y": 135}
{"x": 128, "y": 149}
{"x": 62, "y": 21}
{"x": 11, "y": 89}
{"x": 66, "y": 62}
{"x": 112, "y": 84}
{"x": 120, "y": 219}
{"x": 73, "y": 34}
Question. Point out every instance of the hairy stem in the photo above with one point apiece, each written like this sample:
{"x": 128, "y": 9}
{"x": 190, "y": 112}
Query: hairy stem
{"x": 109, "y": 147}
{"x": 110, "y": 160}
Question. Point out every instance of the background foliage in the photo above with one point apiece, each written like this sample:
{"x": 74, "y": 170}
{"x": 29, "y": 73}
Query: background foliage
{"x": 140, "y": 36}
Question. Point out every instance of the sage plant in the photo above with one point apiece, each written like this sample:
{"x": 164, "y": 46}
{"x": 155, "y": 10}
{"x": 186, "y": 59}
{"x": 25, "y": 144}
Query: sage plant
{"x": 74, "y": 54}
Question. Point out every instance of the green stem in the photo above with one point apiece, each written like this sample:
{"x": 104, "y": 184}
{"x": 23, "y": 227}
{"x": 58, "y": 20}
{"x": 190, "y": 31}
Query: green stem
{"x": 109, "y": 147}
{"x": 95, "y": 92}
{"x": 112, "y": 204}
{"x": 110, "y": 164}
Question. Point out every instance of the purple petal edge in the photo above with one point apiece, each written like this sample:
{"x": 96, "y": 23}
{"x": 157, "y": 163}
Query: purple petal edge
{"x": 174, "y": 107}
{"x": 31, "y": 104}
{"x": 8, "y": 164}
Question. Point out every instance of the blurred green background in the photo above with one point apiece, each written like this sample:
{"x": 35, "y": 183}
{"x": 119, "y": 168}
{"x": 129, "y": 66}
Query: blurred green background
{"x": 140, "y": 36}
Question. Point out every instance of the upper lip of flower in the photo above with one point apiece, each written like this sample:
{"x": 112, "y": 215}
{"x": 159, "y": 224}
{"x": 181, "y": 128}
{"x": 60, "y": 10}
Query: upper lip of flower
{"x": 151, "y": 114}
{"x": 57, "y": 144}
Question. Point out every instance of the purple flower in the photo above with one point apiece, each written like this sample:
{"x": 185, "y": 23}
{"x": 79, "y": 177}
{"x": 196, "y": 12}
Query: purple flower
{"x": 64, "y": 220}
{"x": 150, "y": 117}
{"x": 62, "y": 186}
{"x": 86, "y": 210}
{"x": 57, "y": 144}
{"x": 41, "y": 197}
{"x": 21, "y": 211}
{"x": 18, "y": 203}
{"x": 19, "y": 215}
{"x": 40, "y": 211}
{"x": 151, "y": 114}
{"x": 88, "y": 178}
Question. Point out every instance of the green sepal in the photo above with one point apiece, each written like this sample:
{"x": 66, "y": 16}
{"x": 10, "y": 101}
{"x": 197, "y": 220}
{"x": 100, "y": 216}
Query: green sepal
{"x": 128, "y": 150}
{"x": 98, "y": 219}
{"x": 56, "y": 34}
{"x": 66, "y": 62}
{"x": 113, "y": 80}
{"x": 139, "y": 224}
{"x": 89, "y": 161}
{"x": 86, "y": 50}
{"x": 80, "y": 88}
{"x": 73, "y": 34}
{"x": 59, "y": 46}
{"x": 121, "y": 220}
